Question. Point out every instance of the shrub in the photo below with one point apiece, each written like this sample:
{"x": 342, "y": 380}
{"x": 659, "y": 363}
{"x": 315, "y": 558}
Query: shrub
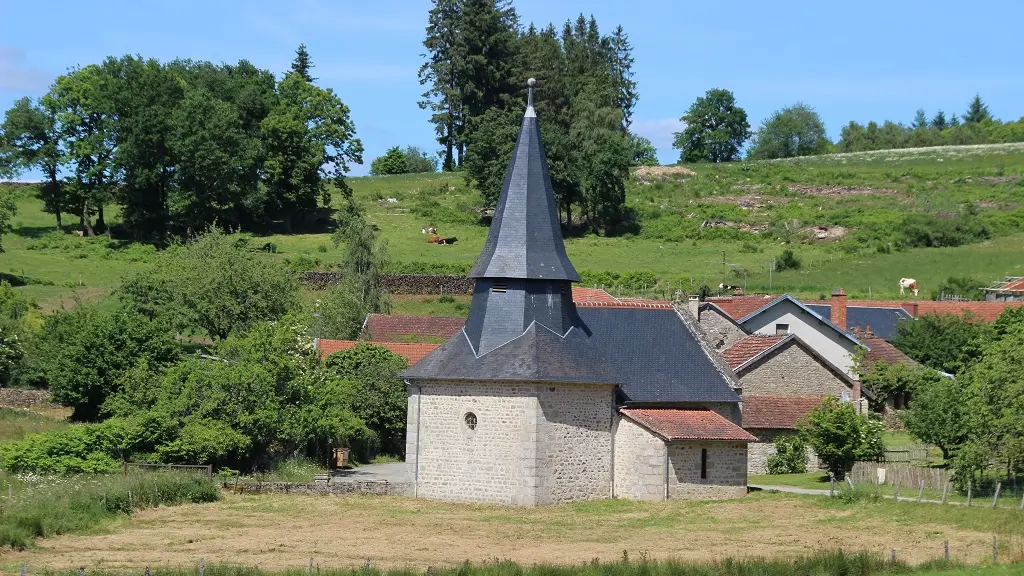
{"x": 787, "y": 261}
{"x": 637, "y": 279}
{"x": 790, "y": 456}
{"x": 840, "y": 436}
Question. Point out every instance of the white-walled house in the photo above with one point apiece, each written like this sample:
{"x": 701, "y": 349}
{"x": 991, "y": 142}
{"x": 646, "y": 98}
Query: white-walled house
{"x": 786, "y": 315}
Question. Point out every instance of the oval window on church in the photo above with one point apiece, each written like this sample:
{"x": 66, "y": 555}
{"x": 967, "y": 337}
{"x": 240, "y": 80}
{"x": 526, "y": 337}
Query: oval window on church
{"x": 470, "y": 420}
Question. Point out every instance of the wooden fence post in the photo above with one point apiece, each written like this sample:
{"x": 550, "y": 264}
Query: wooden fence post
{"x": 995, "y": 550}
{"x": 945, "y": 550}
{"x": 831, "y": 485}
{"x": 920, "y": 491}
{"x": 896, "y": 489}
{"x": 970, "y": 486}
{"x": 1022, "y": 502}
{"x": 24, "y": 569}
{"x": 995, "y": 499}
{"x": 893, "y": 555}
{"x": 945, "y": 491}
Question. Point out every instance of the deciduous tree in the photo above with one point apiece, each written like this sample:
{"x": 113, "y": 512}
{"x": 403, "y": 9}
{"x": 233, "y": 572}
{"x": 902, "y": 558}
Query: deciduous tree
{"x": 715, "y": 131}
{"x": 792, "y": 131}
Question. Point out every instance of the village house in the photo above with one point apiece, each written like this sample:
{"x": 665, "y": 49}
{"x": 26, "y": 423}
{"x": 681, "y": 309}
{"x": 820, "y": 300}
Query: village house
{"x": 538, "y": 401}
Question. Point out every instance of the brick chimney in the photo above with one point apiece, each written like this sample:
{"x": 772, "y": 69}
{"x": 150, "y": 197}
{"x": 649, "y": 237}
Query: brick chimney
{"x": 838, "y": 303}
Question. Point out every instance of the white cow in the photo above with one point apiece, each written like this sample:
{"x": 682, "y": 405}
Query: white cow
{"x": 908, "y": 284}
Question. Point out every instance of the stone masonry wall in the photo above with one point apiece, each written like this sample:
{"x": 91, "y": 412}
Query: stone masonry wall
{"x": 791, "y": 371}
{"x": 720, "y": 330}
{"x": 639, "y": 463}
{"x": 758, "y": 452}
{"x": 530, "y": 446}
{"x": 726, "y": 471}
{"x": 575, "y": 442}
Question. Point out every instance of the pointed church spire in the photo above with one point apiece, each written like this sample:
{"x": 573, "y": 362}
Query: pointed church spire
{"x": 525, "y": 239}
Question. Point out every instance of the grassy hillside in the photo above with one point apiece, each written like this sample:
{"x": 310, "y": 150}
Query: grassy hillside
{"x": 725, "y": 224}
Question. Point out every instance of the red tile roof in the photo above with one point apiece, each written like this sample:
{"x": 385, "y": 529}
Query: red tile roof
{"x": 739, "y": 306}
{"x": 748, "y": 348}
{"x": 399, "y": 327}
{"x": 583, "y": 294}
{"x": 628, "y": 303}
{"x": 687, "y": 424}
{"x": 411, "y": 352}
{"x": 882, "y": 351}
{"x": 984, "y": 311}
{"x": 1012, "y": 286}
{"x": 779, "y": 412}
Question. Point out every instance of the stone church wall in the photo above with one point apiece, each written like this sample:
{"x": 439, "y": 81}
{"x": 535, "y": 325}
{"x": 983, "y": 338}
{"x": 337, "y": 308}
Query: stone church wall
{"x": 530, "y": 445}
{"x": 726, "y": 470}
{"x": 791, "y": 371}
{"x": 639, "y": 463}
{"x": 575, "y": 450}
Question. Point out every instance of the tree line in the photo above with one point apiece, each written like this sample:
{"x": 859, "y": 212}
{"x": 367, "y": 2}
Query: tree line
{"x": 717, "y": 130}
{"x": 257, "y": 392}
{"x": 477, "y": 60}
{"x": 966, "y": 394}
{"x": 180, "y": 145}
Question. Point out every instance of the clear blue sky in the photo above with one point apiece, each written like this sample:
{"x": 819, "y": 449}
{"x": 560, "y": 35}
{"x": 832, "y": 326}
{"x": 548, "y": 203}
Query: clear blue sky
{"x": 864, "y": 60}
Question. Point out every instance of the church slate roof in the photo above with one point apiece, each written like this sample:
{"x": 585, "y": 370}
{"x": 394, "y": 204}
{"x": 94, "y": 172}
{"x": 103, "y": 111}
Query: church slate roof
{"x": 525, "y": 239}
{"x": 650, "y": 353}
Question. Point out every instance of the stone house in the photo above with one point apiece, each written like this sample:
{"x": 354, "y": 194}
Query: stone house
{"x": 781, "y": 380}
{"x": 538, "y": 401}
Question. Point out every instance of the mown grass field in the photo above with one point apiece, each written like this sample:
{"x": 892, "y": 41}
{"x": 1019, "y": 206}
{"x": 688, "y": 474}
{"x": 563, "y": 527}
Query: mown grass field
{"x": 761, "y": 208}
{"x": 278, "y": 532}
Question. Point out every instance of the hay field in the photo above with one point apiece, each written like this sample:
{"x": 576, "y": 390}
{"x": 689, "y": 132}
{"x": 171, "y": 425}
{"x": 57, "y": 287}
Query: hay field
{"x": 276, "y": 532}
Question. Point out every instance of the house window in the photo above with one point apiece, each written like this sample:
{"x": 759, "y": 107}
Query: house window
{"x": 470, "y": 419}
{"x": 781, "y": 329}
{"x": 499, "y": 288}
{"x": 703, "y": 463}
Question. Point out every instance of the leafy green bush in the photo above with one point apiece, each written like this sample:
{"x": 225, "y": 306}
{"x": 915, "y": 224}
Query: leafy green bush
{"x": 787, "y": 261}
{"x": 216, "y": 285}
{"x": 790, "y": 456}
{"x": 264, "y": 396}
{"x": 840, "y": 436}
{"x": 84, "y": 352}
{"x": 638, "y": 279}
{"x": 69, "y": 505}
{"x": 381, "y": 398}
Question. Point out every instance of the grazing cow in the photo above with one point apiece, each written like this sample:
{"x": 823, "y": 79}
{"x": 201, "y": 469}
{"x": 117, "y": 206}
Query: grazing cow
{"x": 446, "y": 241}
{"x": 430, "y": 230}
{"x": 433, "y": 239}
{"x": 908, "y": 284}
{"x": 724, "y": 286}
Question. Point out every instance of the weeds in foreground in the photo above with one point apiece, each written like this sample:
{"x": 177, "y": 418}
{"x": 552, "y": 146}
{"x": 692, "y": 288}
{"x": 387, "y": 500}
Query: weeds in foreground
{"x": 824, "y": 563}
{"x": 47, "y": 507}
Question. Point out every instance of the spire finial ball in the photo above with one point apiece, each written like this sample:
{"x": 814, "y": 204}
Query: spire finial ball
{"x": 531, "y": 82}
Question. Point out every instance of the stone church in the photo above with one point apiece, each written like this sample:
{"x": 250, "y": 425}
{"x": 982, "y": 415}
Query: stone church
{"x": 535, "y": 401}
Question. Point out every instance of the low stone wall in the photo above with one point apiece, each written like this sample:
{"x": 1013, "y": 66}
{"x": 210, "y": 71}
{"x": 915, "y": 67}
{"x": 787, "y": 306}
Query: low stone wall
{"x": 400, "y": 283}
{"x": 323, "y": 488}
{"x": 24, "y": 398}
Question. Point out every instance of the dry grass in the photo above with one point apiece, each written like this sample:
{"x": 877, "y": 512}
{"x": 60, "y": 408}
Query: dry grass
{"x": 285, "y": 531}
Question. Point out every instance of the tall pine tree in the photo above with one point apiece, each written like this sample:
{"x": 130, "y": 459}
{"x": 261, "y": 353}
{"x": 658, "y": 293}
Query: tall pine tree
{"x": 303, "y": 64}
{"x": 443, "y": 74}
{"x": 977, "y": 111}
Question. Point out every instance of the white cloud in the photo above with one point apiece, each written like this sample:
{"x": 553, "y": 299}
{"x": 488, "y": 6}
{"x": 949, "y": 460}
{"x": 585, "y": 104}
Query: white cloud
{"x": 17, "y": 75}
{"x": 661, "y": 133}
